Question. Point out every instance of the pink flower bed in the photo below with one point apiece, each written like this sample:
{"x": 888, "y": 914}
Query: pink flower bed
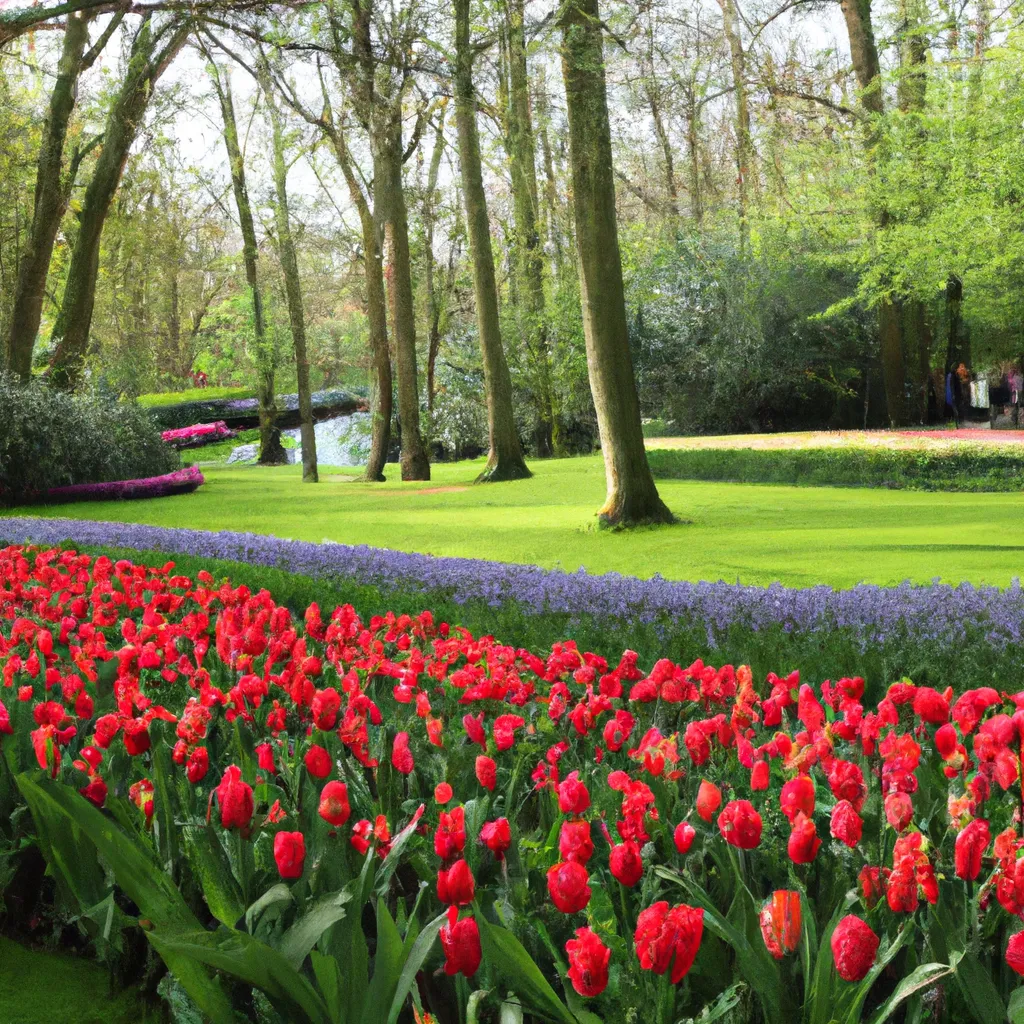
{"x": 182, "y": 481}
{"x": 198, "y": 434}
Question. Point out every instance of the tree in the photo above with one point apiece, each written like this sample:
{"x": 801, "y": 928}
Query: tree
{"x": 53, "y": 188}
{"x": 292, "y": 284}
{"x": 632, "y": 496}
{"x": 153, "y": 48}
{"x": 271, "y": 450}
{"x": 505, "y": 457}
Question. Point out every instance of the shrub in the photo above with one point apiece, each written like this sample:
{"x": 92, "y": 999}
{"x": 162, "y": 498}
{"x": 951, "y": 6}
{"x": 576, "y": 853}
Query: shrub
{"x": 963, "y": 468}
{"x": 51, "y": 439}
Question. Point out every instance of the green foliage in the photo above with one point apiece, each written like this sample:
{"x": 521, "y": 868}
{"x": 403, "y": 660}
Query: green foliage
{"x": 964, "y": 468}
{"x": 49, "y": 439}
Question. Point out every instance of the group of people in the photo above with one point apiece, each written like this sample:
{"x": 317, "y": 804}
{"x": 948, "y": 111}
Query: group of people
{"x": 965, "y": 391}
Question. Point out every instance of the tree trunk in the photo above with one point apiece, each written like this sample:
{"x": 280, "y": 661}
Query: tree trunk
{"x": 505, "y": 458}
{"x": 51, "y": 199}
{"x": 429, "y": 219}
{"x": 550, "y": 181}
{"x": 293, "y": 288}
{"x": 693, "y": 144}
{"x": 893, "y": 368}
{"x": 529, "y": 253}
{"x": 148, "y": 62}
{"x": 392, "y": 212}
{"x": 271, "y": 451}
{"x": 744, "y": 140}
{"x": 632, "y": 496}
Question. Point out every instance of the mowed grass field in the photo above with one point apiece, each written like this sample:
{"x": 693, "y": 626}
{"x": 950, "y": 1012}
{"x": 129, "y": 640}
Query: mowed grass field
{"x": 752, "y": 533}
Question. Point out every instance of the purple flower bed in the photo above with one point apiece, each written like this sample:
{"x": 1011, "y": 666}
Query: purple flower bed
{"x": 198, "y": 434}
{"x": 182, "y": 481}
{"x": 934, "y": 616}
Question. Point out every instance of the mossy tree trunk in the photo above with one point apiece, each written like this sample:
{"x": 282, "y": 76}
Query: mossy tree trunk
{"x": 153, "y": 49}
{"x": 52, "y": 190}
{"x": 271, "y": 451}
{"x": 632, "y": 496}
{"x": 505, "y": 457}
{"x": 292, "y": 285}
{"x": 529, "y": 262}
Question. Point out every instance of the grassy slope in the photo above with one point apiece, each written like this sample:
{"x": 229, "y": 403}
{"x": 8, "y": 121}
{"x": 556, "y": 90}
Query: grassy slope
{"x": 755, "y": 533}
{"x": 43, "y": 988}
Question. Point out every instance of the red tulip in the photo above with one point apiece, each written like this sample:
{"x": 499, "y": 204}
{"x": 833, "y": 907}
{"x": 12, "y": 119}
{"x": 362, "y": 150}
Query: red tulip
{"x": 899, "y": 810}
{"x": 289, "y": 854}
{"x": 197, "y": 766}
{"x": 872, "y": 888}
{"x": 505, "y": 730}
{"x": 95, "y": 792}
{"x": 588, "y": 963}
{"x": 971, "y": 844}
{"x": 318, "y": 762}
{"x": 568, "y": 886}
{"x": 443, "y": 792}
{"x": 1015, "y": 952}
{"x": 573, "y": 795}
{"x": 450, "y": 836}
{"x": 401, "y": 755}
{"x": 456, "y": 885}
{"x": 668, "y": 938}
{"x": 780, "y": 922}
{"x": 946, "y": 741}
{"x": 574, "y": 842}
{"x": 847, "y": 825}
{"x": 334, "y": 807}
{"x": 486, "y": 772}
{"x": 497, "y": 837}
{"x": 759, "y": 776}
{"x": 803, "y": 843}
{"x": 854, "y": 946}
{"x": 740, "y": 824}
{"x": 709, "y": 799}
{"x": 460, "y": 941}
{"x": 625, "y": 863}
{"x": 797, "y": 797}
{"x": 234, "y": 797}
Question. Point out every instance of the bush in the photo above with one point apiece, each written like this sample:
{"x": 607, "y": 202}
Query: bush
{"x": 964, "y": 468}
{"x": 51, "y": 439}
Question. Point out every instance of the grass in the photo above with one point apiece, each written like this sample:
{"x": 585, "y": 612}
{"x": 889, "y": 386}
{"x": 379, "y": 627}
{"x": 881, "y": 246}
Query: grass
{"x": 45, "y": 987}
{"x": 752, "y": 533}
{"x": 162, "y": 398}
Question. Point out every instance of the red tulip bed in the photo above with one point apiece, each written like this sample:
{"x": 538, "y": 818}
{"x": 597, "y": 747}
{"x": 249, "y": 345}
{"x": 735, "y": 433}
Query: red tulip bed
{"x": 332, "y": 820}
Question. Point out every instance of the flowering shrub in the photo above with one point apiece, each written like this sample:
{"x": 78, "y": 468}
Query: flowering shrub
{"x": 197, "y": 435}
{"x": 181, "y": 481}
{"x": 597, "y": 838}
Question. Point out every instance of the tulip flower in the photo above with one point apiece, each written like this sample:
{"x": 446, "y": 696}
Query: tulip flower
{"x": 668, "y": 938}
{"x": 854, "y": 947}
{"x": 588, "y": 963}
{"x": 460, "y": 941}
{"x": 568, "y": 886}
{"x": 234, "y": 798}
{"x": 289, "y": 854}
{"x": 334, "y": 806}
{"x": 709, "y": 799}
{"x": 625, "y": 863}
{"x": 780, "y": 921}
{"x": 740, "y": 824}
{"x": 683, "y": 836}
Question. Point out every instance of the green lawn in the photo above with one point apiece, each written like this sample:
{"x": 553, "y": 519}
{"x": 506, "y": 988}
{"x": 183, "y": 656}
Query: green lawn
{"x": 754, "y": 533}
{"x": 44, "y": 988}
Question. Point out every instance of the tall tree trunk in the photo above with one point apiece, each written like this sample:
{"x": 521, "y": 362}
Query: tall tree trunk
{"x": 529, "y": 253}
{"x": 292, "y": 287}
{"x": 271, "y": 451}
{"x": 550, "y": 181}
{"x": 632, "y": 496}
{"x": 429, "y": 221}
{"x": 51, "y": 197}
{"x": 392, "y": 211}
{"x": 744, "y": 139}
{"x": 693, "y": 145}
{"x": 505, "y": 458}
{"x": 152, "y": 51}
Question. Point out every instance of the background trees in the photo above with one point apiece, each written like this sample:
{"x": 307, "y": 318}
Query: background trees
{"x": 817, "y": 208}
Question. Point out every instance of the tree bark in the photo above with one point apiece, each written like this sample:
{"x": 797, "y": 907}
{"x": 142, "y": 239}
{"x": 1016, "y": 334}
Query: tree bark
{"x": 632, "y": 496}
{"x": 271, "y": 451}
{"x": 505, "y": 458}
{"x": 51, "y": 198}
{"x": 529, "y": 253}
{"x": 744, "y": 139}
{"x": 394, "y": 215}
{"x": 864, "y": 52}
{"x": 429, "y": 221}
{"x": 152, "y": 51}
{"x": 292, "y": 287}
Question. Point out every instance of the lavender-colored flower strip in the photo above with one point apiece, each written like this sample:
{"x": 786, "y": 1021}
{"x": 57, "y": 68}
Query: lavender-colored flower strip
{"x": 182, "y": 481}
{"x": 873, "y": 616}
{"x": 197, "y": 435}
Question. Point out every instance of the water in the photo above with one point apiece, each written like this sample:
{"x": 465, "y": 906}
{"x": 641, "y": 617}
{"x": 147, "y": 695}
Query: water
{"x": 340, "y": 441}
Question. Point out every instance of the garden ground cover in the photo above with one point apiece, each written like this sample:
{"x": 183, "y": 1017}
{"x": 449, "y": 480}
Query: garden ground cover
{"x": 756, "y": 534}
